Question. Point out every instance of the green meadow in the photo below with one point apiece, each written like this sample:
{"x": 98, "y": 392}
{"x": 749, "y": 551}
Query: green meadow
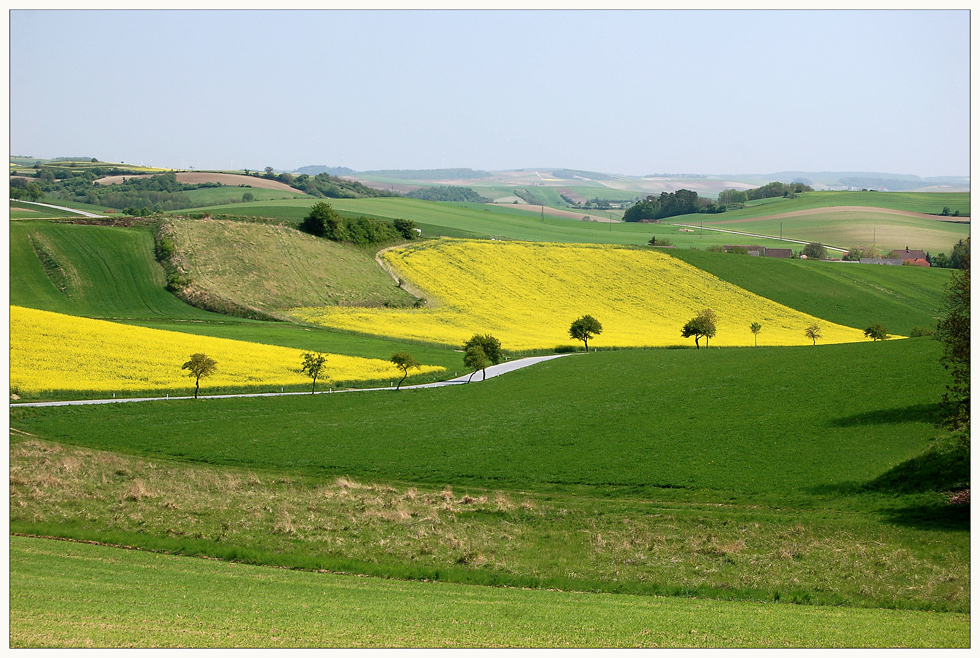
{"x": 83, "y": 596}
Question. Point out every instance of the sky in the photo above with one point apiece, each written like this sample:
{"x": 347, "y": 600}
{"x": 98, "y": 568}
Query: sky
{"x": 616, "y": 91}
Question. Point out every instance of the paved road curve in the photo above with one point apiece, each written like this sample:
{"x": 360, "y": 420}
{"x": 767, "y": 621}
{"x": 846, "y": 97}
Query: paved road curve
{"x": 78, "y": 212}
{"x": 492, "y": 371}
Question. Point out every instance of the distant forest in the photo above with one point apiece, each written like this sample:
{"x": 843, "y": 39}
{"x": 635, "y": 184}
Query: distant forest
{"x": 449, "y": 193}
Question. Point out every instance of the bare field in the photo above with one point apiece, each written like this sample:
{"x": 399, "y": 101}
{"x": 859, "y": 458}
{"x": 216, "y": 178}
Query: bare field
{"x": 198, "y": 177}
{"x": 841, "y": 209}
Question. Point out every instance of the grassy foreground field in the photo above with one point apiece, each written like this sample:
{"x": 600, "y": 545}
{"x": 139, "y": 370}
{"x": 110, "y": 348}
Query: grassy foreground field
{"x": 77, "y": 595}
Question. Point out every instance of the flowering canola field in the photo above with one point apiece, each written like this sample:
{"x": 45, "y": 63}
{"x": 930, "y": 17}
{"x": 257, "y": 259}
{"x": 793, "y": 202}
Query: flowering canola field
{"x": 528, "y": 294}
{"x": 51, "y": 352}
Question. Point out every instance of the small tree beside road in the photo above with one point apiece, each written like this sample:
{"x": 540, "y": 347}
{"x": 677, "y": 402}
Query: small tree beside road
{"x": 200, "y": 366}
{"x": 474, "y": 360}
{"x": 585, "y": 328}
{"x": 313, "y": 366}
{"x": 492, "y": 351}
{"x": 405, "y": 362}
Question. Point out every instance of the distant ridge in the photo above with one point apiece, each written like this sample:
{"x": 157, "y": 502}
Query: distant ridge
{"x": 313, "y": 170}
{"x": 429, "y": 174}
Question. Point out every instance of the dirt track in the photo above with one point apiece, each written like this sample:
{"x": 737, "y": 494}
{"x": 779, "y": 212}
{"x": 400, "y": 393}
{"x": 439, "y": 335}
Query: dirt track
{"x": 833, "y": 209}
{"x": 197, "y": 177}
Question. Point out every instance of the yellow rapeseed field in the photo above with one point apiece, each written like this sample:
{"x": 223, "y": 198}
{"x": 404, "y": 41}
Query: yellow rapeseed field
{"x": 528, "y": 294}
{"x": 53, "y": 352}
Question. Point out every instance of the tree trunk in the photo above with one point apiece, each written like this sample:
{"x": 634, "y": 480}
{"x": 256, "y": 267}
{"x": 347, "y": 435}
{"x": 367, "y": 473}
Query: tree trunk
{"x": 313, "y": 392}
{"x": 697, "y": 345}
{"x": 586, "y": 345}
{"x": 400, "y": 383}
{"x": 197, "y": 386}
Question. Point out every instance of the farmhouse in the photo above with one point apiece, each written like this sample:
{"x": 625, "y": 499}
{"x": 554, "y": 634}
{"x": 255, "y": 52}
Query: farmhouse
{"x": 779, "y": 253}
{"x": 908, "y": 254}
{"x": 756, "y": 250}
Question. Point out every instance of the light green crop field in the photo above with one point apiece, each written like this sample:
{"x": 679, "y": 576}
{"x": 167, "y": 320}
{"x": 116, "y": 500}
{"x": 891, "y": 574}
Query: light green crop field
{"x": 228, "y": 194}
{"x": 845, "y": 229}
{"x": 107, "y": 272}
{"x": 78, "y": 595}
{"x": 923, "y": 202}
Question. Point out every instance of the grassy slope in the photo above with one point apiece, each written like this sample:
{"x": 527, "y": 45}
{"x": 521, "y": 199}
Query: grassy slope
{"x": 81, "y": 595}
{"x": 111, "y": 273}
{"x": 116, "y": 277}
{"x": 711, "y": 419}
{"x": 854, "y": 295}
{"x": 229, "y": 194}
{"x": 274, "y": 268}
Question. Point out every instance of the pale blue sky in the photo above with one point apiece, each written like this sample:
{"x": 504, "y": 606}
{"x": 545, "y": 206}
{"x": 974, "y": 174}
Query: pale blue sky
{"x": 631, "y": 92}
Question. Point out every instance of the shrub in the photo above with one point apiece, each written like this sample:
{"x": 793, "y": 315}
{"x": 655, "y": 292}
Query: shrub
{"x": 716, "y": 247}
{"x": 742, "y": 251}
{"x": 919, "y": 332}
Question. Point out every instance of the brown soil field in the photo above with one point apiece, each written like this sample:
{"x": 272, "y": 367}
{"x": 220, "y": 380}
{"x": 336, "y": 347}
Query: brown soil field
{"x": 831, "y": 209}
{"x": 197, "y": 177}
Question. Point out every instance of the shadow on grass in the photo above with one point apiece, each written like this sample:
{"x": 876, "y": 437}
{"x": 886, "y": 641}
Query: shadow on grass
{"x": 935, "y": 516}
{"x": 916, "y": 413}
{"x": 925, "y": 482}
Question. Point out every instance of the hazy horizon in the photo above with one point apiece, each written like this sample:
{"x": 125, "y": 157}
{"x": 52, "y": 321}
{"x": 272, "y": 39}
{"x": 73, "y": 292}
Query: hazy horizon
{"x": 710, "y": 92}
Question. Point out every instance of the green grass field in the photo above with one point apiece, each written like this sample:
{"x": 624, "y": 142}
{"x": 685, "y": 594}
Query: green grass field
{"x": 107, "y": 272}
{"x": 84, "y": 596}
{"x": 228, "y": 194}
{"x": 581, "y": 430}
{"x": 851, "y": 294}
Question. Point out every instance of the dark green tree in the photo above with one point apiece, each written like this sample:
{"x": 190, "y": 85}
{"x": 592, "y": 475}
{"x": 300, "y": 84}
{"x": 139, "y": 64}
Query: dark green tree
{"x": 474, "y": 359}
{"x": 313, "y": 363}
{"x": 755, "y": 328}
{"x": 406, "y": 228}
{"x": 248, "y": 196}
{"x": 813, "y": 332}
{"x": 585, "y": 328}
{"x": 319, "y": 220}
{"x": 200, "y": 366}
{"x": 405, "y": 362}
{"x": 954, "y": 333}
{"x": 960, "y": 257}
{"x": 491, "y": 349}
{"x": 815, "y": 250}
{"x": 876, "y": 332}
{"x": 702, "y": 324}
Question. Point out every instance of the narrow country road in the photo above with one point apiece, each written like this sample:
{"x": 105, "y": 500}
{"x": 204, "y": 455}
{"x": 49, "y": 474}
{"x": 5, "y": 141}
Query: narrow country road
{"x": 751, "y": 235}
{"x": 78, "y": 212}
{"x": 492, "y": 371}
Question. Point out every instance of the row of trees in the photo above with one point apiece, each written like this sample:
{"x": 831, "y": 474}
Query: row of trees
{"x": 669, "y": 204}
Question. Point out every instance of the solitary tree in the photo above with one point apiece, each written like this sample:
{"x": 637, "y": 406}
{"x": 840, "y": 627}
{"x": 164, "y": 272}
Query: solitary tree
{"x": 876, "y": 332}
{"x": 405, "y": 362}
{"x": 319, "y": 219}
{"x": 954, "y": 333}
{"x": 585, "y": 328}
{"x": 491, "y": 350}
{"x": 313, "y": 366}
{"x": 702, "y": 324}
{"x": 815, "y": 250}
{"x": 755, "y": 328}
{"x": 200, "y": 366}
{"x": 475, "y": 359}
{"x": 813, "y": 332}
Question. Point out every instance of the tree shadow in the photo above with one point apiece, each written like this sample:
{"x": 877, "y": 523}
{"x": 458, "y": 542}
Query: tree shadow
{"x": 916, "y": 413}
{"x": 925, "y": 481}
